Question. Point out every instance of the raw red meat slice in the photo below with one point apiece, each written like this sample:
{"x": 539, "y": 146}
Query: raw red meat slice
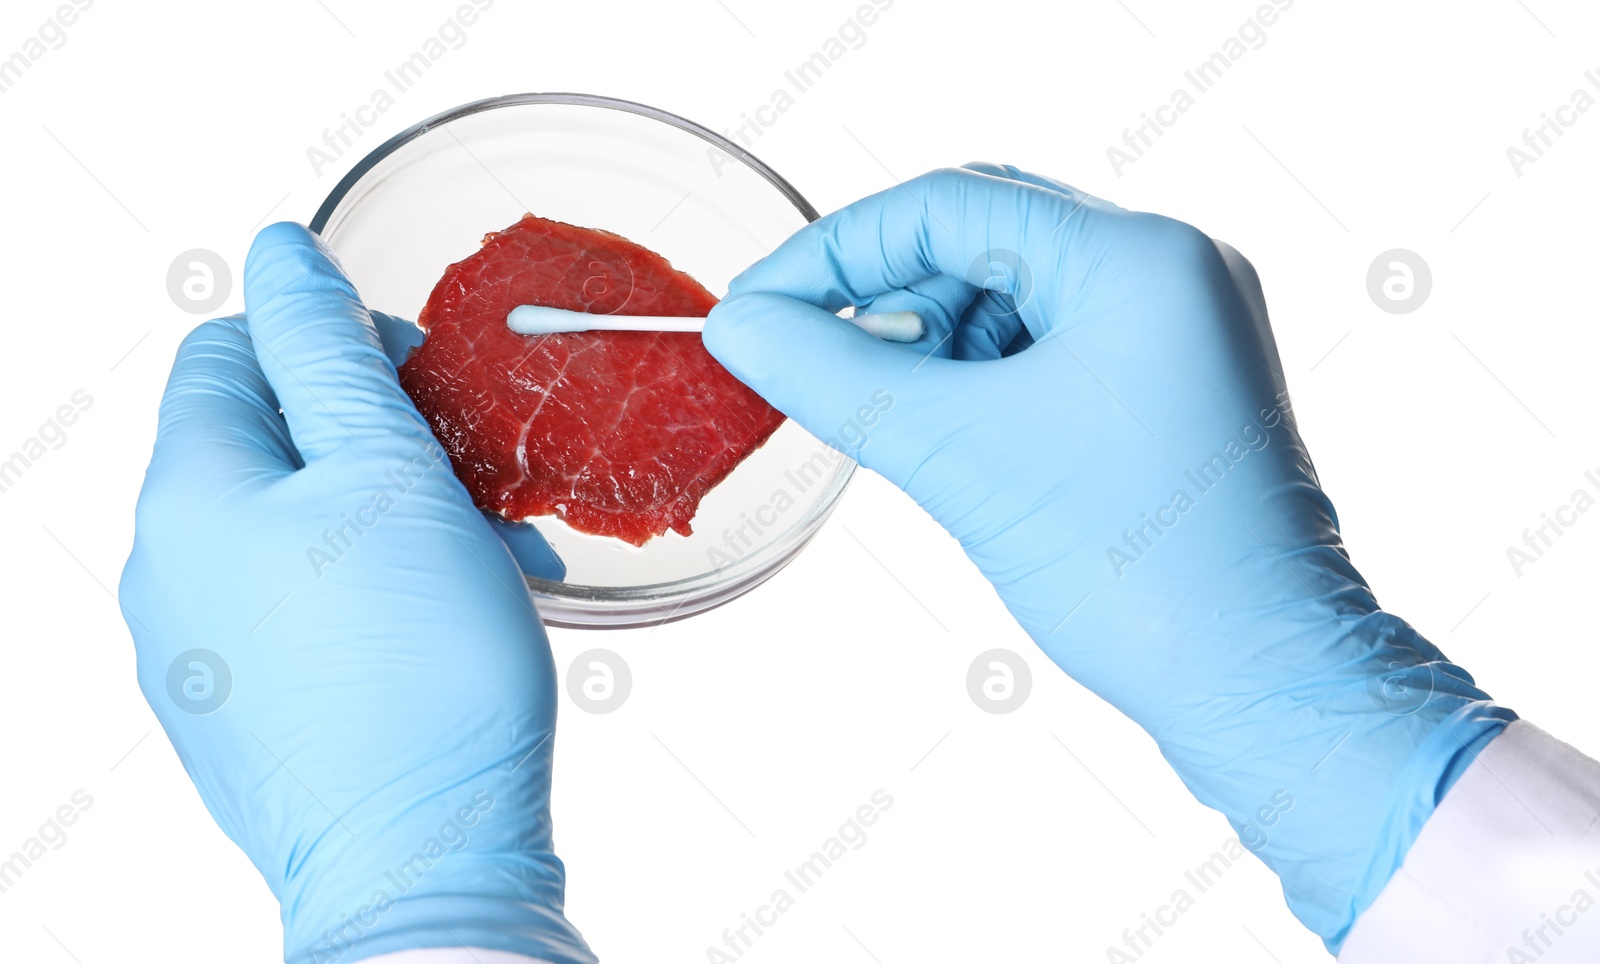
{"x": 617, "y": 433}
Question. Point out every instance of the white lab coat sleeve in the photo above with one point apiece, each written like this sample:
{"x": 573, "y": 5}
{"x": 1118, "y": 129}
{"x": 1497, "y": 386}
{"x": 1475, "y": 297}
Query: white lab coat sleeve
{"x": 1506, "y": 869}
{"x": 451, "y": 955}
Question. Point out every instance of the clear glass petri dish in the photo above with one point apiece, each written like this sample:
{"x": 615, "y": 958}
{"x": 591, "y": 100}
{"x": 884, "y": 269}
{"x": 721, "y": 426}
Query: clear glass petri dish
{"x": 426, "y": 197}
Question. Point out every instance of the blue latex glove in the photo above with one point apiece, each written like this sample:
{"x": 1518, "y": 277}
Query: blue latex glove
{"x": 1099, "y": 415}
{"x": 341, "y": 649}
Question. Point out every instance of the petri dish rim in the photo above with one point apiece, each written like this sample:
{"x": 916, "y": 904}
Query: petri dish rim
{"x": 644, "y": 605}
{"x": 378, "y": 154}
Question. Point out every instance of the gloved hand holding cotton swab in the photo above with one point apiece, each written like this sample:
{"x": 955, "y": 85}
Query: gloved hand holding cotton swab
{"x": 896, "y": 326}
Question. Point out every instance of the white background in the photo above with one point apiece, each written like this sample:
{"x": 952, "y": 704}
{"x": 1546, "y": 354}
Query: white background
{"x": 1360, "y": 126}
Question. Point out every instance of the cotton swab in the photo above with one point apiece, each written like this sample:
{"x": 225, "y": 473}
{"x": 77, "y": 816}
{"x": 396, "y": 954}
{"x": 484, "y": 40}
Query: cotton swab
{"x": 897, "y": 326}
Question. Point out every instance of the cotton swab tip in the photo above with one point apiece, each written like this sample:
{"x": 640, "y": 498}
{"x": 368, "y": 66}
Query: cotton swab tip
{"x": 527, "y": 320}
{"x": 896, "y": 326}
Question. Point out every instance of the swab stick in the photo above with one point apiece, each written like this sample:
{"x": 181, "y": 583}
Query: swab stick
{"x": 897, "y": 326}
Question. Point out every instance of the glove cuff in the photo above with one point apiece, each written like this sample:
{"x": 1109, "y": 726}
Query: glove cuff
{"x": 532, "y": 929}
{"x": 1418, "y": 789}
